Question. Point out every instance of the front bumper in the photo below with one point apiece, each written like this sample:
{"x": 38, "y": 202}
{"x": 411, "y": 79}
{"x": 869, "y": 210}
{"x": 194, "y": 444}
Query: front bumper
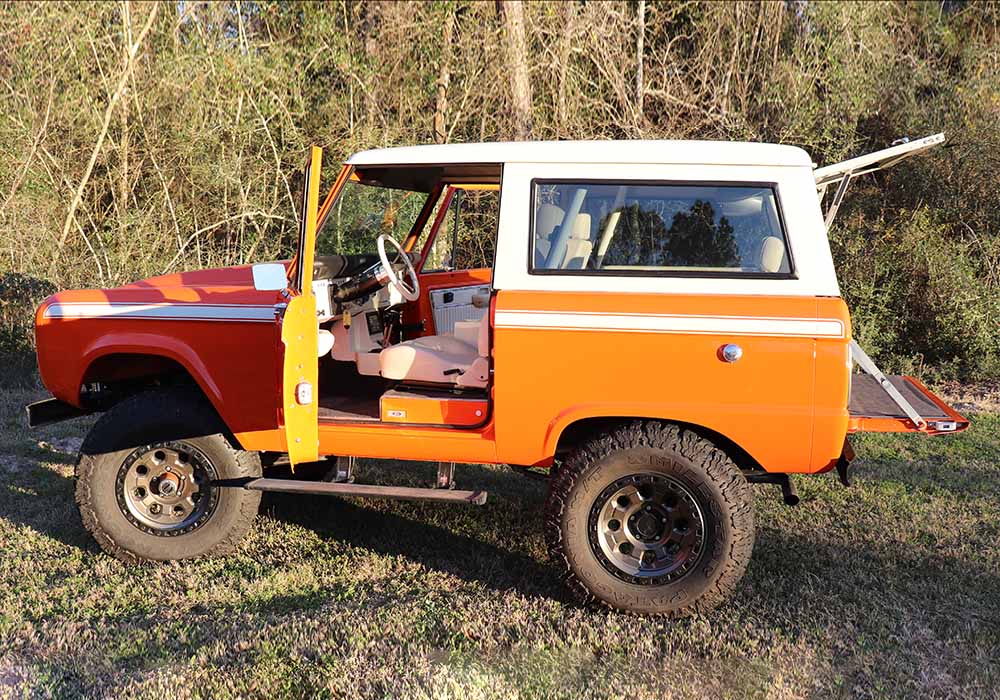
{"x": 51, "y": 410}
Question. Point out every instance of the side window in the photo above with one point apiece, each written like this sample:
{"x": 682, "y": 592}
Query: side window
{"x": 639, "y": 228}
{"x": 466, "y": 238}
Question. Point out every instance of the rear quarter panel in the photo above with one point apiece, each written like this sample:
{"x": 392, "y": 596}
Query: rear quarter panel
{"x": 784, "y": 402}
{"x": 578, "y": 367}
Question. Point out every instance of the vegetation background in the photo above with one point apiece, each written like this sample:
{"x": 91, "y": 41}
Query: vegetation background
{"x": 140, "y": 138}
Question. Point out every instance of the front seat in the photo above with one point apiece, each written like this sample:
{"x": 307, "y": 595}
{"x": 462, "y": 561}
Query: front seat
{"x": 442, "y": 359}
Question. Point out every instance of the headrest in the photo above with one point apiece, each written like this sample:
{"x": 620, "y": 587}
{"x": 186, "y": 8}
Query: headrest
{"x": 581, "y": 227}
{"x": 772, "y": 254}
{"x": 547, "y": 218}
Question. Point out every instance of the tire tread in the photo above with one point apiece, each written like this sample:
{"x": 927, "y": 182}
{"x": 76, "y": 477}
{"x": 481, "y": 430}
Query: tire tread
{"x": 658, "y": 435}
{"x": 138, "y": 408}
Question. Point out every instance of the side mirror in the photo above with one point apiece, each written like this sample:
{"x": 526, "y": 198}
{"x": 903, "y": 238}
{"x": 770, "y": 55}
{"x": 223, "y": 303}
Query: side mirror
{"x": 269, "y": 277}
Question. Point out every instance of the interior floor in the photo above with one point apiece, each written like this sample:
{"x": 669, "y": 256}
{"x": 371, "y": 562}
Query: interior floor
{"x": 346, "y": 396}
{"x": 349, "y": 408}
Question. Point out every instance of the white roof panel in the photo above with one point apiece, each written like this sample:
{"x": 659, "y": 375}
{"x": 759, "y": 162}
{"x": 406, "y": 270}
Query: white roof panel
{"x": 655, "y": 152}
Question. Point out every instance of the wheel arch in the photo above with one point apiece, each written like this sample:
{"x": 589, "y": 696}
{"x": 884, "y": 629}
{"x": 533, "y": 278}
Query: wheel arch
{"x": 578, "y": 427}
{"x": 133, "y": 365}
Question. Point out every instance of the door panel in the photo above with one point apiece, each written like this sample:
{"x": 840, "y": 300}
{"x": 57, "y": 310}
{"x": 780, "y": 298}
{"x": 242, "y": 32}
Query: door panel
{"x": 299, "y": 379}
{"x": 422, "y": 310}
{"x": 449, "y": 305}
{"x": 300, "y": 331}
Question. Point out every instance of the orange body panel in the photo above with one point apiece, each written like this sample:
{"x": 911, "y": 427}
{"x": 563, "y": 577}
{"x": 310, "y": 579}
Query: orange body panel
{"x": 237, "y": 363}
{"x": 546, "y": 379}
{"x": 397, "y": 407}
{"x": 833, "y": 387}
{"x": 408, "y": 442}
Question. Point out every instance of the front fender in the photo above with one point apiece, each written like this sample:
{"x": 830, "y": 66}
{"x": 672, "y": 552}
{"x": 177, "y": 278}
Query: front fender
{"x": 157, "y": 344}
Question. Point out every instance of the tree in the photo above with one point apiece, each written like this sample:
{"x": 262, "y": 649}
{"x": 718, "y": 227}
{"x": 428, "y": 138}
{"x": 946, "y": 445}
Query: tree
{"x": 516, "y": 54}
{"x": 444, "y": 79}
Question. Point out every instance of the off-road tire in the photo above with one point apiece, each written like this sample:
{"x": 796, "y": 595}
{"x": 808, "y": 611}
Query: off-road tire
{"x": 715, "y": 482}
{"x": 175, "y": 414}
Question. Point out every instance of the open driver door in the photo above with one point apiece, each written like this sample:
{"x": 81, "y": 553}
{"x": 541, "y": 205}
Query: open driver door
{"x": 299, "y": 330}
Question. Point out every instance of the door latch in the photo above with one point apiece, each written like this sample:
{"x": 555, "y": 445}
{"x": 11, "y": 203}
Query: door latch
{"x": 304, "y": 393}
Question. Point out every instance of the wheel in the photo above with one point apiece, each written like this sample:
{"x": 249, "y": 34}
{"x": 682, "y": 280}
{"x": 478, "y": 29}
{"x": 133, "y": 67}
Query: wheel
{"x": 142, "y": 480}
{"x": 650, "y": 518}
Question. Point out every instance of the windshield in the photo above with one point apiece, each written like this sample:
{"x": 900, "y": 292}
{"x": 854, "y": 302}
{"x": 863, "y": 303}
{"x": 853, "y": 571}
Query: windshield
{"x": 362, "y": 213}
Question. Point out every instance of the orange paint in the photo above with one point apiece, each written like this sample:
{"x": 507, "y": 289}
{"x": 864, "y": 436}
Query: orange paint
{"x": 397, "y": 407}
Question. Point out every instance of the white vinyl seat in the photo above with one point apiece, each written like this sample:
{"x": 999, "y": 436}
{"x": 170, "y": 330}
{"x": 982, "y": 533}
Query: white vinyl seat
{"x": 578, "y": 246}
{"x": 441, "y": 359}
{"x": 772, "y": 254}
{"x": 547, "y": 219}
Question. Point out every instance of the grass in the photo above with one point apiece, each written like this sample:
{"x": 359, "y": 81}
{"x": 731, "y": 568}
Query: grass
{"x": 889, "y": 589}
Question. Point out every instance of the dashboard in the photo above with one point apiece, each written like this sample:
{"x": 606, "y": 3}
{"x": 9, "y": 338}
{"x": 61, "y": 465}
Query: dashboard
{"x": 354, "y": 287}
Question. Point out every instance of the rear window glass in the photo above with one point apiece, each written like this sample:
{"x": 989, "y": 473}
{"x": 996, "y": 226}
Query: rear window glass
{"x": 639, "y": 228}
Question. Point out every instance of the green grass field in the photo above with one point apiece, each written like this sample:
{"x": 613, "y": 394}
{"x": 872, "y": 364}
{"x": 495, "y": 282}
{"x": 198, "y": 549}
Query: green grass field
{"x": 889, "y": 589}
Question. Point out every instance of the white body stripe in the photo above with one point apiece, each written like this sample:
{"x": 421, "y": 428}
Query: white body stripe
{"x": 162, "y": 311}
{"x": 663, "y": 323}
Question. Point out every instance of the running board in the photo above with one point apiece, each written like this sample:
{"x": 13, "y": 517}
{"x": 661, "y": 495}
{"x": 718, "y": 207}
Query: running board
{"x": 399, "y": 493}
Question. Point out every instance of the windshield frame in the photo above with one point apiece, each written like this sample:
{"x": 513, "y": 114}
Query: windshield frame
{"x": 348, "y": 174}
{"x": 295, "y": 271}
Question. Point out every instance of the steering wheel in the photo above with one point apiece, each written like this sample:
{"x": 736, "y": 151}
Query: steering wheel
{"x": 410, "y": 292}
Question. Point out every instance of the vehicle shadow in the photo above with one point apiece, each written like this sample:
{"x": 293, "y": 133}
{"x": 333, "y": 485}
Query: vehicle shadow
{"x": 38, "y": 496}
{"x": 496, "y": 545}
{"x": 798, "y": 590}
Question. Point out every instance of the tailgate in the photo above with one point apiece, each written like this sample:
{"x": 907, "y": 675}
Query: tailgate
{"x": 896, "y": 404}
{"x": 873, "y": 410}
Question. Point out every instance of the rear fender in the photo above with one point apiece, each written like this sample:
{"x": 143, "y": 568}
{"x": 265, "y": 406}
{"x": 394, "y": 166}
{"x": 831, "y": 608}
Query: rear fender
{"x": 626, "y": 411}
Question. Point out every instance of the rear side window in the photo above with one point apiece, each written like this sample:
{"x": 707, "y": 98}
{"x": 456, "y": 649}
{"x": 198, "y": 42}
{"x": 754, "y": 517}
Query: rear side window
{"x": 658, "y": 229}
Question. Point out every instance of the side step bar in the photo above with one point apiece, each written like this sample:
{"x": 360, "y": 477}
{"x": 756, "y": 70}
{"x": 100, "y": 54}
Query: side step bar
{"x": 399, "y": 493}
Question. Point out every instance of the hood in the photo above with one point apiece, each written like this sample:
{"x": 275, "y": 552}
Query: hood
{"x": 221, "y": 286}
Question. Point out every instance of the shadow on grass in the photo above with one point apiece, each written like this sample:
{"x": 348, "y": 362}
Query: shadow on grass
{"x": 492, "y": 546}
{"x": 512, "y": 515}
{"x": 801, "y": 585}
{"x": 876, "y": 601}
{"x": 41, "y": 498}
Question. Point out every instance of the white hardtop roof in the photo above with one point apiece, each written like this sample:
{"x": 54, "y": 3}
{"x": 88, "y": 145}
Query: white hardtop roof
{"x": 648, "y": 152}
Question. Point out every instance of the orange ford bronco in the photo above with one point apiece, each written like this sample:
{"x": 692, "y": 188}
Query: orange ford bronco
{"x": 652, "y": 326}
